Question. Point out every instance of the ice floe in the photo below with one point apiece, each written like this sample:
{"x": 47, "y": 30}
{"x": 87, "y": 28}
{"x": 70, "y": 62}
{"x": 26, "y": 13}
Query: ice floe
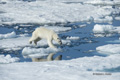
{"x": 109, "y": 49}
{"x": 103, "y": 2}
{"x": 103, "y": 19}
{"x": 8, "y": 59}
{"x": 73, "y": 38}
{"x": 105, "y": 30}
{"x": 28, "y": 52}
{"x": 8, "y": 35}
{"x": 14, "y": 43}
{"x": 117, "y": 18}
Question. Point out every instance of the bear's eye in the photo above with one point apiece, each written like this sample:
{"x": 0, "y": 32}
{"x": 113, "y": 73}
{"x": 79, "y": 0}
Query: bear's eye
{"x": 57, "y": 38}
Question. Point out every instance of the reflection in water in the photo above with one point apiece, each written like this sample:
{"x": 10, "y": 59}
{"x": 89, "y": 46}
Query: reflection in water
{"x": 49, "y": 58}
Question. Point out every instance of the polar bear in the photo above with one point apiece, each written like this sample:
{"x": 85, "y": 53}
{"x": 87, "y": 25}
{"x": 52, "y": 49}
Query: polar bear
{"x": 43, "y": 32}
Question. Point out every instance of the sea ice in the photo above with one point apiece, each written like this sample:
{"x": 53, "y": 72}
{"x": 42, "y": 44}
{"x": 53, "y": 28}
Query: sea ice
{"x": 73, "y": 38}
{"x": 103, "y": 2}
{"x": 76, "y": 69}
{"x": 8, "y": 35}
{"x": 103, "y": 28}
{"x": 40, "y": 11}
{"x": 109, "y": 49}
{"x": 8, "y": 59}
{"x": 117, "y": 18}
{"x": 28, "y": 52}
{"x": 104, "y": 19}
{"x": 52, "y": 11}
{"x": 14, "y": 43}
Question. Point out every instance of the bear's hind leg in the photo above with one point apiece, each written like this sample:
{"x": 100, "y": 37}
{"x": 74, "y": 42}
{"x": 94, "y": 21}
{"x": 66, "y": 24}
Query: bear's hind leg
{"x": 36, "y": 40}
{"x": 32, "y": 39}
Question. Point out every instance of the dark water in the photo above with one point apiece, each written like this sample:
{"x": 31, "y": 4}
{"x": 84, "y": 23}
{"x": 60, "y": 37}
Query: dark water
{"x": 111, "y": 70}
{"x": 86, "y": 45}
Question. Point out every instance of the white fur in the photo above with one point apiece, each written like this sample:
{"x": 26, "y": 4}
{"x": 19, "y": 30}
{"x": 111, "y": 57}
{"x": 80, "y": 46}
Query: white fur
{"x": 43, "y": 32}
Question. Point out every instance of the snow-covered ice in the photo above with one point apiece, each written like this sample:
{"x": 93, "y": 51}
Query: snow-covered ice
{"x": 73, "y": 38}
{"x": 8, "y": 35}
{"x": 51, "y": 13}
{"x": 117, "y": 18}
{"x": 14, "y": 43}
{"x": 103, "y": 2}
{"x": 81, "y": 68}
{"x": 8, "y": 59}
{"x": 105, "y": 30}
{"x": 109, "y": 49}
{"x": 40, "y": 11}
{"x": 37, "y": 53}
{"x": 102, "y": 19}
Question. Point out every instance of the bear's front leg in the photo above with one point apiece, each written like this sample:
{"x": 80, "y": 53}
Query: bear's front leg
{"x": 50, "y": 43}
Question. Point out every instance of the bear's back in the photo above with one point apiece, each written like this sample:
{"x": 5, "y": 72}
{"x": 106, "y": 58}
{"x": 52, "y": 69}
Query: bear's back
{"x": 44, "y": 32}
{"x": 44, "y": 29}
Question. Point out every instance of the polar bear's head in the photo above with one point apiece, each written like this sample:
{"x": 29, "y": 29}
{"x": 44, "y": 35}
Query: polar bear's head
{"x": 57, "y": 39}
